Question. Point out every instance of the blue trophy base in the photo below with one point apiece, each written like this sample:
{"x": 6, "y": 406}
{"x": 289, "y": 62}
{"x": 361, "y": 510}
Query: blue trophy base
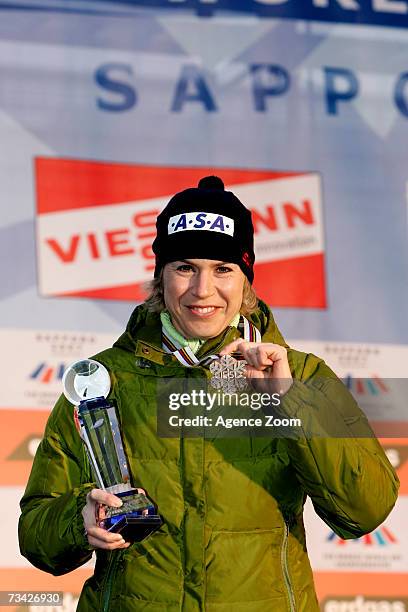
{"x": 135, "y": 520}
{"x": 135, "y": 528}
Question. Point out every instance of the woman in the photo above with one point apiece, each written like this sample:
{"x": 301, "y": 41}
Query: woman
{"x": 233, "y": 536}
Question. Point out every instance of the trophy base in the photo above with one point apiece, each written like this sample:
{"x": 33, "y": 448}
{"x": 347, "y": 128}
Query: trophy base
{"x": 135, "y": 520}
{"x": 134, "y": 528}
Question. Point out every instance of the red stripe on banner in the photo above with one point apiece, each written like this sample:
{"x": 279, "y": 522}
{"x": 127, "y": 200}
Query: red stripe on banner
{"x": 389, "y": 535}
{"x": 298, "y": 282}
{"x": 46, "y": 377}
{"x": 130, "y": 293}
{"x": 67, "y": 184}
{"x": 380, "y": 383}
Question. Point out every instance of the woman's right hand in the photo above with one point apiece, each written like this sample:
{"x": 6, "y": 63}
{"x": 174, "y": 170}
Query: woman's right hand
{"x": 94, "y": 512}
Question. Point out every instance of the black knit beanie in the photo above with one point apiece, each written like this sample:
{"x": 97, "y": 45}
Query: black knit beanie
{"x": 205, "y": 222}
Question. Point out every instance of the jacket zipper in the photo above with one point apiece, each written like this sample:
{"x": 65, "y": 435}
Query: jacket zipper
{"x": 285, "y": 570}
{"x": 109, "y": 580}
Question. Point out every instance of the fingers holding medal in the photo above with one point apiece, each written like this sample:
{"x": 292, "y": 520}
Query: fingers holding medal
{"x": 265, "y": 360}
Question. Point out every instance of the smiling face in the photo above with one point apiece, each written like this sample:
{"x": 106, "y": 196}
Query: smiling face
{"x": 202, "y": 295}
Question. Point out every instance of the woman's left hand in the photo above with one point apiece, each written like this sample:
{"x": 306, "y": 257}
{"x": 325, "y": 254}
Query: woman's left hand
{"x": 267, "y": 363}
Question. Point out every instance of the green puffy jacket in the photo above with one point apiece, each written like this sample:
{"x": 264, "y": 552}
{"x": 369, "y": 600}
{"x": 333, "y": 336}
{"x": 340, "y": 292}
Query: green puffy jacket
{"x": 233, "y": 538}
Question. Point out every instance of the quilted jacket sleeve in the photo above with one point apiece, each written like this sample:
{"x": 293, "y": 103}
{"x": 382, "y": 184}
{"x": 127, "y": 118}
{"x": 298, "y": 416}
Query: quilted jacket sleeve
{"x": 337, "y": 458}
{"x": 51, "y": 530}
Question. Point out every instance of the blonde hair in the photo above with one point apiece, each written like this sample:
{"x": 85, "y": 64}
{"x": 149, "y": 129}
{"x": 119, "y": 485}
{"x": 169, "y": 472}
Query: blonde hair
{"x": 155, "y": 299}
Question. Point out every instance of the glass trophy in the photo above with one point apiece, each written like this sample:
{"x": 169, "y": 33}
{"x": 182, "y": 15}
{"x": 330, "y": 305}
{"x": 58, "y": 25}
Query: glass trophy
{"x": 86, "y": 384}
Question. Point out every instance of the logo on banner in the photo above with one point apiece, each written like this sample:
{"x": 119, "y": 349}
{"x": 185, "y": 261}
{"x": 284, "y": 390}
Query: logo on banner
{"x": 382, "y": 400}
{"x": 46, "y": 373}
{"x": 45, "y": 376}
{"x": 363, "y": 603}
{"x": 381, "y": 537}
{"x": 97, "y": 221}
{"x": 36, "y": 383}
{"x": 366, "y": 386}
{"x": 383, "y": 550}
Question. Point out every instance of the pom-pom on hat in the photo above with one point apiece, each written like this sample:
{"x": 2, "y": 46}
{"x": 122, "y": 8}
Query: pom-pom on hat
{"x": 205, "y": 222}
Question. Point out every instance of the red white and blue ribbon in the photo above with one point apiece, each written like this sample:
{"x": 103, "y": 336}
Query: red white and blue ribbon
{"x": 186, "y": 356}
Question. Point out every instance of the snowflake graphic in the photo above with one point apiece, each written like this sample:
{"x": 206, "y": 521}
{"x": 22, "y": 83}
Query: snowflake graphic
{"x": 228, "y": 374}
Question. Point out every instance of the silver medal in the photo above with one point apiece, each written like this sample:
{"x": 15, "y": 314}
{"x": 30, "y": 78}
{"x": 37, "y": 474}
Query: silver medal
{"x": 228, "y": 374}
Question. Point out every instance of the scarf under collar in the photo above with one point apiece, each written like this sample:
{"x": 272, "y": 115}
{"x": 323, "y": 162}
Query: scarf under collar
{"x": 179, "y": 340}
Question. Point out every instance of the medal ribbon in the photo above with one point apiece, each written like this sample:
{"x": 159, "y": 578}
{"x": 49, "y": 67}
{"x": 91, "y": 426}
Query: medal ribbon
{"x": 188, "y": 359}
